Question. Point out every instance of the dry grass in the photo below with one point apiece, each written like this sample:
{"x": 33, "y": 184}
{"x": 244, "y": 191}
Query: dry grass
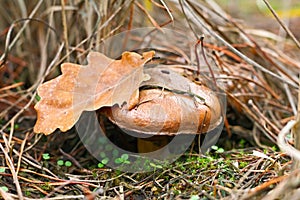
{"x": 258, "y": 70}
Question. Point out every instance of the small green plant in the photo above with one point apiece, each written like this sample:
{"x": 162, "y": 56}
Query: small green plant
{"x": 2, "y": 169}
{"x": 156, "y": 166}
{"x": 108, "y": 147}
{"x": 102, "y": 154}
{"x": 27, "y": 193}
{"x": 103, "y": 162}
{"x": 46, "y": 186}
{"x": 16, "y": 126}
{"x": 194, "y": 197}
{"x": 242, "y": 143}
{"x": 60, "y": 162}
{"x": 102, "y": 140}
{"x": 123, "y": 159}
{"x": 64, "y": 163}
{"x": 4, "y": 188}
{"x": 68, "y": 163}
{"x": 115, "y": 153}
{"x": 46, "y": 156}
{"x": 217, "y": 149}
{"x": 37, "y": 97}
{"x": 243, "y": 164}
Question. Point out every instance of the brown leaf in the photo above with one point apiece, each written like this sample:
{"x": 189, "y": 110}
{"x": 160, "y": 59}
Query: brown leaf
{"x": 103, "y": 82}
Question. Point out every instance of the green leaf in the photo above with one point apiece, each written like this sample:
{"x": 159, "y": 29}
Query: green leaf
{"x": 68, "y": 163}
{"x": 220, "y": 150}
{"x": 124, "y": 156}
{"x": 119, "y": 160}
{"x": 108, "y": 147}
{"x": 4, "y": 188}
{"x": 152, "y": 165}
{"x": 159, "y": 166}
{"x": 155, "y": 165}
{"x": 102, "y": 140}
{"x": 46, "y": 156}
{"x": 16, "y": 126}
{"x": 126, "y": 162}
{"x": 27, "y": 193}
{"x": 100, "y": 165}
{"x": 115, "y": 152}
{"x": 194, "y": 197}
{"x": 102, "y": 155}
{"x": 214, "y": 147}
{"x": 37, "y": 97}
{"x": 105, "y": 161}
{"x": 60, "y": 162}
{"x": 242, "y": 142}
{"x": 2, "y": 169}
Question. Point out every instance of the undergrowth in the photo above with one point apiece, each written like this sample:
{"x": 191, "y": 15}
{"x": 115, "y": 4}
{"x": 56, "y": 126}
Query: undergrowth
{"x": 258, "y": 70}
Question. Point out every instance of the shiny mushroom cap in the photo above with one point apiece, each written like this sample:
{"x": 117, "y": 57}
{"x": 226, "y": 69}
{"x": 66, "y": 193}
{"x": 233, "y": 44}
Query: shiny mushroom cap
{"x": 169, "y": 104}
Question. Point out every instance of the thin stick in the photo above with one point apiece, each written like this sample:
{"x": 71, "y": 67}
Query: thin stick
{"x": 296, "y": 130}
{"x": 13, "y": 171}
{"x": 168, "y": 10}
{"x": 197, "y": 57}
{"x": 154, "y": 23}
{"x": 21, "y": 152}
{"x": 65, "y": 27}
{"x": 206, "y": 61}
{"x": 294, "y": 153}
{"x": 266, "y": 185}
{"x": 282, "y": 24}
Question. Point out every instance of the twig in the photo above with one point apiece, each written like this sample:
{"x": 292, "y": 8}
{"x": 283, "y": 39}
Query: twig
{"x": 296, "y": 129}
{"x": 294, "y": 153}
{"x": 290, "y": 98}
{"x": 65, "y": 27}
{"x": 155, "y": 24}
{"x": 197, "y": 56}
{"x": 168, "y": 10}
{"x": 285, "y": 187}
{"x": 282, "y": 24}
{"x": 257, "y": 190}
{"x": 21, "y": 152}
{"x": 13, "y": 172}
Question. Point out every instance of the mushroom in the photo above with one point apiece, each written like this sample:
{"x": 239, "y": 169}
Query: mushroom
{"x": 169, "y": 105}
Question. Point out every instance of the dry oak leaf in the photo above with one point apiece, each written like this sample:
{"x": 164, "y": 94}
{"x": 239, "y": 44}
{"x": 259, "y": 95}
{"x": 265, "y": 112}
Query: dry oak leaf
{"x": 103, "y": 82}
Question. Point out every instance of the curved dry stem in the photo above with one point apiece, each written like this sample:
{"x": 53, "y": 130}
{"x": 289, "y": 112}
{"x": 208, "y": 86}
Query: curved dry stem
{"x": 294, "y": 153}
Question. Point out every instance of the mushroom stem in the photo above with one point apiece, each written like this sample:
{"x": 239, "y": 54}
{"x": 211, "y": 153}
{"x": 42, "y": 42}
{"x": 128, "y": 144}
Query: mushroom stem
{"x": 146, "y": 145}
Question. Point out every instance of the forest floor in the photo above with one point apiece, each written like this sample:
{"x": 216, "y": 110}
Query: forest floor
{"x": 255, "y": 62}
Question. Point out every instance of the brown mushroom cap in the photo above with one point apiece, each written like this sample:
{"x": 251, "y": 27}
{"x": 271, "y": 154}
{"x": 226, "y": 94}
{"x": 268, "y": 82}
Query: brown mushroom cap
{"x": 165, "y": 112}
